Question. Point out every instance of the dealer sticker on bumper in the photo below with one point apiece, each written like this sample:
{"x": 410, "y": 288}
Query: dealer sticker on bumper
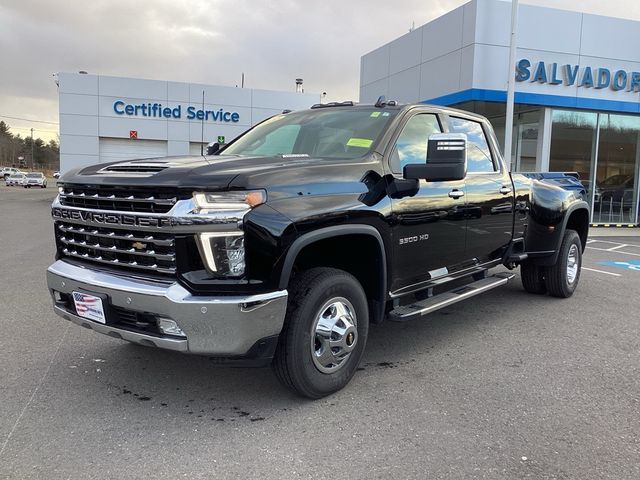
{"x": 89, "y": 306}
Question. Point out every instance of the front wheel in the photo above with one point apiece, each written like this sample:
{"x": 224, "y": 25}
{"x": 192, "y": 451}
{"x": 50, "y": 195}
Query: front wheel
{"x": 562, "y": 278}
{"x": 325, "y": 332}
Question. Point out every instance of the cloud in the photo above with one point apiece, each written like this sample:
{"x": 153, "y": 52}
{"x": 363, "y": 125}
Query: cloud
{"x": 208, "y": 41}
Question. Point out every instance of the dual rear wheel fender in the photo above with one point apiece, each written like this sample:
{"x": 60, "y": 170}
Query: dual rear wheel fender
{"x": 561, "y": 279}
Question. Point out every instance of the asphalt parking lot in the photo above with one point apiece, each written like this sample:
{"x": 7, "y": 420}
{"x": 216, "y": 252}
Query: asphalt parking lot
{"x": 504, "y": 386}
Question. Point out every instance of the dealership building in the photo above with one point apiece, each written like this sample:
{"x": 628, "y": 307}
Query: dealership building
{"x": 104, "y": 118}
{"x": 577, "y": 89}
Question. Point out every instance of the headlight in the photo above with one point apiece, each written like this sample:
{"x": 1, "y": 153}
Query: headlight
{"x": 223, "y": 253}
{"x": 216, "y": 201}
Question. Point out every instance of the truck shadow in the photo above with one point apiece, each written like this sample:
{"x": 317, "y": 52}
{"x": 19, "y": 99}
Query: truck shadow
{"x": 194, "y": 387}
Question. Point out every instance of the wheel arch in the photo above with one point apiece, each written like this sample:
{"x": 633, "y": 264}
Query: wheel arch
{"x": 357, "y": 241}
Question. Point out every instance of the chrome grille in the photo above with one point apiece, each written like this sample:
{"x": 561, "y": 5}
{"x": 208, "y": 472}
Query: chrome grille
{"x": 120, "y": 248}
{"x": 117, "y": 198}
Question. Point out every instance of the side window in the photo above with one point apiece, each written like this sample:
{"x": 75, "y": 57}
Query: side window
{"x": 478, "y": 152}
{"x": 411, "y": 145}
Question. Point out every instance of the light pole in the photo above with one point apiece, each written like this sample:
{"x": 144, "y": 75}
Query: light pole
{"x": 32, "y": 161}
{"x": 508, "y": 121}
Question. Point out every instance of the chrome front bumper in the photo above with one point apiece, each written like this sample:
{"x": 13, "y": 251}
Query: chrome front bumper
{"x": 218, "y": 326}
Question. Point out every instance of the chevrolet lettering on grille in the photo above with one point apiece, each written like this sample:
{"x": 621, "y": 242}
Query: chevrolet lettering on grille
{"x": 110, "y": 218}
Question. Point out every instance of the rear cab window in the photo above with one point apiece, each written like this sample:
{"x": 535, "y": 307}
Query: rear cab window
{"x": 479, "y": 158}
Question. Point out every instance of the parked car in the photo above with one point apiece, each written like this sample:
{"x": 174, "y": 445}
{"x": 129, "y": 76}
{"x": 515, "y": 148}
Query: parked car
{"x": 7, "y": 171}
{"x": 15, "y": 179}
{"x": 35, "y": 179}
{"x": 56, "y": 174}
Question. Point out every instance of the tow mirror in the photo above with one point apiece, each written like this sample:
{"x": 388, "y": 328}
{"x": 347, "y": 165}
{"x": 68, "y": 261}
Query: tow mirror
{"x": 446, "y": 159}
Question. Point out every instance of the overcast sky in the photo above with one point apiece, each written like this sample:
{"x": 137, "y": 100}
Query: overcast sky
{"x": 207, "y": 41}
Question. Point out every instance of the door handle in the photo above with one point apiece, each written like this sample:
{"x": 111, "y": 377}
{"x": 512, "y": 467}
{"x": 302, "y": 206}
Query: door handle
{"x": 504, "y": 190}
{"x": 456, "y": 193}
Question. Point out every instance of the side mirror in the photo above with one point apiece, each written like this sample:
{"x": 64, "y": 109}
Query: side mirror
{"x": 212, "y": 148}
{"x": 446, "y": 159}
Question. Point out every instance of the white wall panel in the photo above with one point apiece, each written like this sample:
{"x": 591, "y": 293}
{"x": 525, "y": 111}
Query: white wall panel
{"x": 132, "y": 87}
{"x": 178, "y": 131}
{"x": 467, "y": 65}
{"x": 405, "y": 52}
{"x": 69, "y": 161}
{"x": 469, "y": 13}
{"x": 120, "y": 127}
{"x": 175, "y": 147}
{"x": 375, "y": 66}
{"x": 178, "y": 92}
{"x": 490, "y": 67}
{"x": 78, "y": 84}
{"x": 78, "y": 124}
{"x": 538, "y": 29}
{"x": 493, "y": 22}
{"x": 78, "y": 104}
{"x": 443, "y": 35}
{"x": 78, "y": 145}
{"x": 370, "y": 93}
{"x": 613, "y": 38}
{"x": 440, "y": 76}
{"x": 212, "y": 94}
{"x": 404, "y": 86}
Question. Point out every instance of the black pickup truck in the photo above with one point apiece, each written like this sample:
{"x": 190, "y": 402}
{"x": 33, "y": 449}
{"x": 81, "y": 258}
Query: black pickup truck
{"x": 284, "y": 245}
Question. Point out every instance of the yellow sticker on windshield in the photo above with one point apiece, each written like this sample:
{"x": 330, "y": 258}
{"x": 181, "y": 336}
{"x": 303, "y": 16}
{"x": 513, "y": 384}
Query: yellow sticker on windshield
{"x": 359, "y": 142}
{"x": 375, "y": 114}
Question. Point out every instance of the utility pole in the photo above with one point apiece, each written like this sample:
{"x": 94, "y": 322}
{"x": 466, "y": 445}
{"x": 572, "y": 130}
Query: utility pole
{"x": 508, "y": 121}
{"x": 32, "y": 161}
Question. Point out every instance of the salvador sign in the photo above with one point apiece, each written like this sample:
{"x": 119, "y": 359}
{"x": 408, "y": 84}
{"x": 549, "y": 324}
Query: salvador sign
{"x": 568, "y": 75}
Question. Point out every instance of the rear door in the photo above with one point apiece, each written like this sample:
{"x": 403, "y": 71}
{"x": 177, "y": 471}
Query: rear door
{"x": 429, "y": 228}
{"x": 489, "y": 204}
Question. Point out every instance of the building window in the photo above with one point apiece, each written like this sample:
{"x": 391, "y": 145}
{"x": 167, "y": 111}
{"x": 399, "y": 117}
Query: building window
{"x": 573, "y": 137}
{"x": 605, "y": 150}
{"x": 617, "y": 169}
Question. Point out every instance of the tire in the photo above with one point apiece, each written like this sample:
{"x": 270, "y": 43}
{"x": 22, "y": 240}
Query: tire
{"x": 533, "y": 278}
{"x": 563, "y": 277}
{"x": 303, "y": 362}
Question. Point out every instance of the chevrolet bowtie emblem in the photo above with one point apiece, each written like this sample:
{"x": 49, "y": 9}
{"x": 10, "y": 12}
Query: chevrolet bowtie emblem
{"x": 139, "y": 245}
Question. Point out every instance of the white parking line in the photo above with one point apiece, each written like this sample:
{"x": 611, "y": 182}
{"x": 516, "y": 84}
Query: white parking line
{"x": 619, "y": 246}
{"x": 614, "y": 251}
{"x": 601, "y": 271}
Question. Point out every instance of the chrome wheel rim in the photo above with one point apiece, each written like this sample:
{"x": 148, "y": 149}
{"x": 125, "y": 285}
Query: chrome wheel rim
{"x": 334, "y": 335}
{"x": 572, "y": 264}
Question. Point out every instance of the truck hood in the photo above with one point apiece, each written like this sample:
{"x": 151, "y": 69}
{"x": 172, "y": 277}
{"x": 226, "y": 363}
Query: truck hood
{"x": 215, "y": 172}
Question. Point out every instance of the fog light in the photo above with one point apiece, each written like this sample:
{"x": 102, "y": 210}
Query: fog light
{"x": 169, "y": 327}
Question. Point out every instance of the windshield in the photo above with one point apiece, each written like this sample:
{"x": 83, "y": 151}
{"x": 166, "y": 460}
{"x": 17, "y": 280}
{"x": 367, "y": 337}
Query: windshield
{"x": 34, "y": 175}
{"x": 17, "y": 175}
{"x": 330, "y": 133}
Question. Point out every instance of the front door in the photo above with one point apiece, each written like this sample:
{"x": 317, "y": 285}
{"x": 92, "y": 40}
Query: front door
{"x": 429, "y": 228}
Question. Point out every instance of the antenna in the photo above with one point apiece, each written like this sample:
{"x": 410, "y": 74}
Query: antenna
{"x": 242, "y": 79}
{"x": 202, "y": 129}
